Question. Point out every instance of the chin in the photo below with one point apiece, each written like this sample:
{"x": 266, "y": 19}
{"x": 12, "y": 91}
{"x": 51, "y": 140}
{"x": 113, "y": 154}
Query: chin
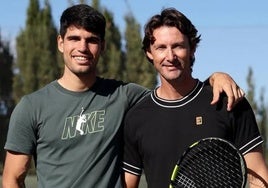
{"x": 83, "y": 72}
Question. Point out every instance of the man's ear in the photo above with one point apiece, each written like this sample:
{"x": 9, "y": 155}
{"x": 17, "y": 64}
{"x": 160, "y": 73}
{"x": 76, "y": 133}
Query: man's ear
{"x": 149, "y": 55}
{"x": 60, "y": 43}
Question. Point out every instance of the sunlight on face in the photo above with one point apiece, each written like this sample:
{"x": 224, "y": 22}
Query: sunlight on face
{"x": 81, "y": 50}
{"x": 170, "y": 53}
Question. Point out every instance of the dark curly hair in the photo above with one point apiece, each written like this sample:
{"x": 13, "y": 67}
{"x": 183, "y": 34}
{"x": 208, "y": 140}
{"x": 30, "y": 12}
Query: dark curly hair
{"x": 83, "y": 16}
{"x": 172, "y": 18}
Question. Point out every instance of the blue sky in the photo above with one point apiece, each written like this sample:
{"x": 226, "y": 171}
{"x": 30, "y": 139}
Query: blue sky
{"x": 234, "y": 33}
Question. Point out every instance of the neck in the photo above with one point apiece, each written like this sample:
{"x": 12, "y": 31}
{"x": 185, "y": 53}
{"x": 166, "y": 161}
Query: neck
{"x": 77, "y": 83}
{"x": 173, "y": 90}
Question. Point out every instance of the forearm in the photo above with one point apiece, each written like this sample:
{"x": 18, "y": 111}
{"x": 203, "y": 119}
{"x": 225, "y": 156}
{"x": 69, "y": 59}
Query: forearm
{"x": 255, "y": 180}
{"x": 13, "y": 182}
{"x": 257, "y": 168}
{"x": 258, "y": 177}
{"x": 15, "y": 170}
{"x": 222, "y": 82}
{"x": 221, "y": 76}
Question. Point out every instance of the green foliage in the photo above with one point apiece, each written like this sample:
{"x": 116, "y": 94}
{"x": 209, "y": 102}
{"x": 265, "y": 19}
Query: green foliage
{"x": 36, "y": 51}
{"x": 263, "y": 121}
{"x": 138, "y": 69}
{"x": 6, "y": 72}
{"x": 129, "y": 65}
{"x": 251, "y": 89}
{"x": 111, "y": 63}
{"x": 259, "y": 108}
{"x": 48, "y": 66}
{"x": 70, "y": 2}
{"x": 6, "y": 75}
{"x": 3, "y": 134}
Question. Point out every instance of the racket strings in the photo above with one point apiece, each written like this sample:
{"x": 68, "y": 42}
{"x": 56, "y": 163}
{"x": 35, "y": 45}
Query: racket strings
{"x": 184, "y": 181}
{"x": 210, "y": 165}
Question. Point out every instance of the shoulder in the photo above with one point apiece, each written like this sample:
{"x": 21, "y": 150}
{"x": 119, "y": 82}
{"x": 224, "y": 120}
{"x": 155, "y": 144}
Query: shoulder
{"x": 40, "y": 93}
{"x": 131, "y": 91}
{"x": 40, "y": 96}
{"x": 112, "y": 83}
{"x": 142, "y": 107}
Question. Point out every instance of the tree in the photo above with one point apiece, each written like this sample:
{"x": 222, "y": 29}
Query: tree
{"x": 258, "y": 108}
{"x": 111, "y": 63}
{"x": 6, "y": 103}
{"x": 70, "y": 2}
{"x": 251, "y": 90}
{"x": 49, "y": 68}
{"x": 36, "y": 51}
{"x": 6, "y": 72}
{"x": 138, "y": 69}
{"x": 129, "y": 65}
{"x": 262, "y": 121}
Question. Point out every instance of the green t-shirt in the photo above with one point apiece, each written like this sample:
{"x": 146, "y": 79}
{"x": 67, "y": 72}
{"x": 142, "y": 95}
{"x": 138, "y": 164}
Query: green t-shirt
{"x": 75, "y": 137}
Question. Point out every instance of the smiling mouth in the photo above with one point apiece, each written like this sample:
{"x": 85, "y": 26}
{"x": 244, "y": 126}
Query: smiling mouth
{"x": 81, "y": 59}
{"x": 177, "y": 65}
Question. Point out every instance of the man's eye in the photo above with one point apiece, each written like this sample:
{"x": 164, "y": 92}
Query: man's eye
{"x": 73, "y": 38}
{"x": 93, "y": 40}
{"x": 178, "y": 46}
{"x": 160, "y": 48}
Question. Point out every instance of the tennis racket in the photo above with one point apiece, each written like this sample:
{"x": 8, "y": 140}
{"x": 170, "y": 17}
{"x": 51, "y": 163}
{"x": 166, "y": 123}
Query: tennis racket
{"x": 210, "y": 162}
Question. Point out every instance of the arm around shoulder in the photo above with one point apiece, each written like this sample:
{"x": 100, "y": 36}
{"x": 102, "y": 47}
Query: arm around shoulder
{"x": 222, "y": 82}
{"x": 15, "y": 170}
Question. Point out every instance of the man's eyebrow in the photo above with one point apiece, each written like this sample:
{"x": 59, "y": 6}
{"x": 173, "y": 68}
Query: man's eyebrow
{"x": 72, "y": 36}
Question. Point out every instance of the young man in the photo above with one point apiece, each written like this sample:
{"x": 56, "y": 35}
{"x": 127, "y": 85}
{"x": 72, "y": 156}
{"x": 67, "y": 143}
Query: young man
{"x": 72, "y": 126}
{"x": 178, "y": 113}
